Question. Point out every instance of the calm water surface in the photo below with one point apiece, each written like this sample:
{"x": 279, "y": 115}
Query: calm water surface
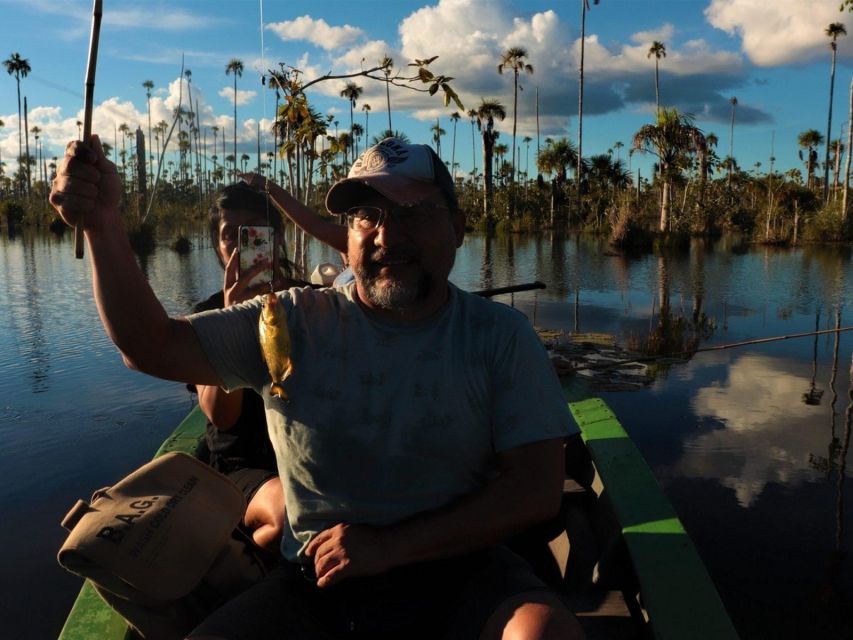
{"x": 756, "y": 474}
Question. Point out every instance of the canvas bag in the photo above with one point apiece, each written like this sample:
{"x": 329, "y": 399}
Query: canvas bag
{"x": 162, "y": 546}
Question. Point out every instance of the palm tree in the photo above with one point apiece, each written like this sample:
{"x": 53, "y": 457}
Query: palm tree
{"x": 487, "y": 112}
{"x": 125, "y": 131}
{"x": 79, "y": 130}
{"x": 215, "y": 130}
{"x": 514, "y": 58}
{"x": 472, "y": 114}
{"x": 235, "y": 66}
{"x": 704, "y": 154}
{"x": 527, "y": 140}
{"x": 834, "y": 30}
{"x": 357, "y": 133}
{"x": 36, "y": 131}
{"x": 437, "y": 132}
{"x": 733, "y": 102}
{"x": 584, "y": 9}
{"x": 20, "y": 68}
{"x": 658, "y": 50}
{"x": 366, "y": 108}
{"x": 673, "y": 139}
{"x": 555, "y": 159}
{"x": 351, "y": 92}
{"x": 148, "y": 85}
{"x": 810, "y": 140}
{"x": 454, "y": 118}
{"x": 387, "y": 63}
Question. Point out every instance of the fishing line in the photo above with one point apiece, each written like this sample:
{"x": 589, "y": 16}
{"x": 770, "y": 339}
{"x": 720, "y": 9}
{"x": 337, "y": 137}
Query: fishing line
{"x": 720, "y": 347}
{"x": 273, "y": 267}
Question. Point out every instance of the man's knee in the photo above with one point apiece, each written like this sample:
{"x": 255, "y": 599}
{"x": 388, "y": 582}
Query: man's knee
{"x": 539, "y": 615}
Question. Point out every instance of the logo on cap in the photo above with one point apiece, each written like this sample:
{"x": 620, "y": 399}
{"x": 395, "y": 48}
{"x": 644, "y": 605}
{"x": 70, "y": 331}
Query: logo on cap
{"x": 380, "y": 158}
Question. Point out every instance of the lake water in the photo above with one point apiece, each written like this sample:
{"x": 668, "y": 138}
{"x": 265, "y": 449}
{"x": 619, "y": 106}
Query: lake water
{"x": 755, "y": 473}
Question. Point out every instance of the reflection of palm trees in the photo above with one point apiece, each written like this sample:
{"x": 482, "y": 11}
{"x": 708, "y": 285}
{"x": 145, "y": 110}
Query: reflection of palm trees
{"x": 834, "y": 441}
{"x": 839, "y": 505}
{"x": 813, "y": 395}
{"x": 36, "y": 353}
{"x": 825, "y": 465}
{"x": 697, "y": 253}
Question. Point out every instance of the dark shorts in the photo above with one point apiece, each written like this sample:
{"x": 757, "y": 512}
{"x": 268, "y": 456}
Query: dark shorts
{"x": 250, "y": 480}
{"x": 451, "y": 598}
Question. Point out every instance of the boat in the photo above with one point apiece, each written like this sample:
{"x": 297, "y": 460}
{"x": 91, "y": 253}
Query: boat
{"x": 620, "y": 557}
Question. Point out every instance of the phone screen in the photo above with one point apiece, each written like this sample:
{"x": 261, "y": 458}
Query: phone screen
{"x": 257, "y": 245}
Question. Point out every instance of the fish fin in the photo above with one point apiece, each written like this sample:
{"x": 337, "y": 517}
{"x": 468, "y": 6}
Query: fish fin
{"x": 277, "y": 390}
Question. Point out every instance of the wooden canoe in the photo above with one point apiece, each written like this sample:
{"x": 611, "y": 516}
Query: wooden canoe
{"x": 620, "y": 556}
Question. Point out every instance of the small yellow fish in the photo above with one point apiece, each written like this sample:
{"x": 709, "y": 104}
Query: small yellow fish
{"x": 275, "y": 343}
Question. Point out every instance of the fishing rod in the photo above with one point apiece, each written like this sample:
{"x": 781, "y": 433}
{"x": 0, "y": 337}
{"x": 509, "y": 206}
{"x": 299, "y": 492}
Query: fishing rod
{"x": 97, "y": 12}
{"x": 528, "y": 286}
{"x": 719, "y": 347}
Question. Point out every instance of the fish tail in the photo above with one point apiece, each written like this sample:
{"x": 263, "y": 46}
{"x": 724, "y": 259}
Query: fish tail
{"x": 277, "y": 390}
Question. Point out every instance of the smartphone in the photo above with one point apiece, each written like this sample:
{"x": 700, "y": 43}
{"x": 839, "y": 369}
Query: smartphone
{"x": 256, "y": 245}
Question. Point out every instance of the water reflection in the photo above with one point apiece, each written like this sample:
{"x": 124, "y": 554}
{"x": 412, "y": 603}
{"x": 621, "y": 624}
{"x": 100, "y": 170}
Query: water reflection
{"x": 842, "y": 479}
{"x": 728, "y": 425}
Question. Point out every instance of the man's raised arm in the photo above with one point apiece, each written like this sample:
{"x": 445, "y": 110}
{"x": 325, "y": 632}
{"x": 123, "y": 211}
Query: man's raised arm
{"x": 87, "y": 184}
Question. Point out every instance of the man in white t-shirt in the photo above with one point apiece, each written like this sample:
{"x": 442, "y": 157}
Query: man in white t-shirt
{"x": 423, "y": 426}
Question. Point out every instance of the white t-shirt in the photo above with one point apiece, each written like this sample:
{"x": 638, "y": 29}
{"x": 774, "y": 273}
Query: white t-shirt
{"x": 385, "y": 420}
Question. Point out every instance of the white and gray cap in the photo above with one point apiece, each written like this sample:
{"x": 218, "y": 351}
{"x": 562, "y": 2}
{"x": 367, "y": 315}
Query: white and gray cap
{"x": 402, "y": 172}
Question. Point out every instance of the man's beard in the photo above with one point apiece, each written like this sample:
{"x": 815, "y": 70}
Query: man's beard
{"x": 388, "y": 293}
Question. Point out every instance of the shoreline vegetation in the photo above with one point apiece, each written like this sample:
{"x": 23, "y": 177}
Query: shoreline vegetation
{"x": 692, "y": 191}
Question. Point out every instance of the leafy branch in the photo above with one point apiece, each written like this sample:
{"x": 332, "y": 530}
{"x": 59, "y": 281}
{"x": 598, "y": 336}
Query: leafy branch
{"x": 287, "y": 79}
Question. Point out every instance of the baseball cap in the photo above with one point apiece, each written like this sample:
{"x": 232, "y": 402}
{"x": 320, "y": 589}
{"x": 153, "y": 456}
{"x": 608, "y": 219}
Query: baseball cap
{"x": 402, "y": 172}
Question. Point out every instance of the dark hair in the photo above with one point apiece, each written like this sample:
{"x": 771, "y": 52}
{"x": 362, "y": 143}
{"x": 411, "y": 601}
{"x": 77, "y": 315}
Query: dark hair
{"x": 239, "y": 196}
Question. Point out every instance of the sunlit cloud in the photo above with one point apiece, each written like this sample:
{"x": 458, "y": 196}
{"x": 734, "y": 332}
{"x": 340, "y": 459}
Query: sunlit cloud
{"x": 317, "y": 32}
{"x": 780, "y": 32}
{"x": 243, "y": 96}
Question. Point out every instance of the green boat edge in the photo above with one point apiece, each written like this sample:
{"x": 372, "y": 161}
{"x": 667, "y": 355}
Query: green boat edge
{"x": 678, "y": 596}
{"x": 677, "y": 592}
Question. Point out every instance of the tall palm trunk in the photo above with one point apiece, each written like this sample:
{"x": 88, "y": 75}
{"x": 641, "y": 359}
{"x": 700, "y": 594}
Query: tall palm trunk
{"x": 580, "y": 111}
{"x": 847, "y": 161}
{"x": 27, "y": 148}
{"x": 388, "y": 99}
{"x": 453, "y": 152}
{"x": 657, "y": 85}
{"x": 20, "y": 137}
{"x": 829, "y": 125}
{"x": 666, "y": 187}
{"x": 235, "y": 124}
{"x": 488, "y": 155}
{"x": 514, "y": 120}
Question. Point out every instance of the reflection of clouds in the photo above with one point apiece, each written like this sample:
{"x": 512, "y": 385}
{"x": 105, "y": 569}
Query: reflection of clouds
{"x": 764, "y": 438}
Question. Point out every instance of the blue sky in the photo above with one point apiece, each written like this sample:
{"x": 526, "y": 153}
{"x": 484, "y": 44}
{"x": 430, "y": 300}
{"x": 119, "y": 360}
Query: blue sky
{"x": 773, "y": 56}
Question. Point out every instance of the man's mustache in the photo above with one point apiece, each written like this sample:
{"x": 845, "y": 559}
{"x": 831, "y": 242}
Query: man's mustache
{"x": 381, "y": 255}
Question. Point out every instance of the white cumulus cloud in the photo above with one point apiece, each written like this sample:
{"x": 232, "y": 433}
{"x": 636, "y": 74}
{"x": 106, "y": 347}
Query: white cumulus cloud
{"x": 782, "y": 31}
{"x": 317, "y": 32}
{"x": 243, "y": 96}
